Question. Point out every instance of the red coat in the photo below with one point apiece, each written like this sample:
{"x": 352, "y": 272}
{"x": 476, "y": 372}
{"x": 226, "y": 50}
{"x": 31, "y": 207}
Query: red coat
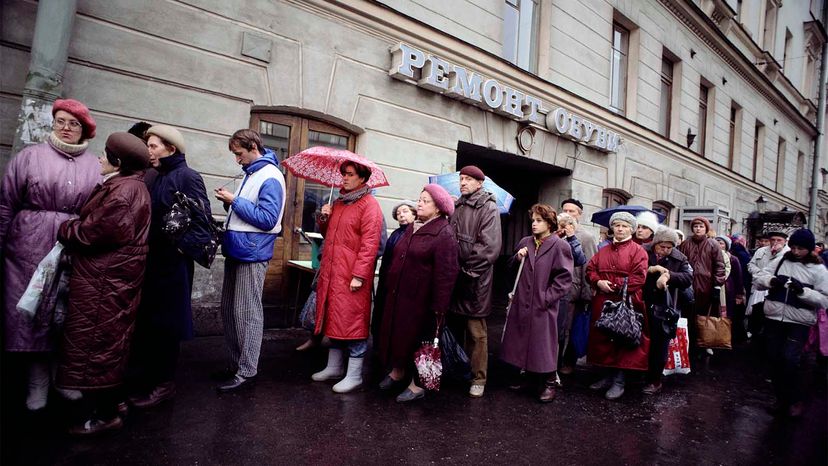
{"x": 418, "y": 290}
{"x": 108, "y": 247}
{"x": 352, "y": 236}
{"x": 613, "y": 263}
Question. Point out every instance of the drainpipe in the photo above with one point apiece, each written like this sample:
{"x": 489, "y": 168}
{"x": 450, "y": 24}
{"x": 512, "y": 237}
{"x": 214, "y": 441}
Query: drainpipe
{"x": 44, "y": 82}
{"x": 819, "y": 145}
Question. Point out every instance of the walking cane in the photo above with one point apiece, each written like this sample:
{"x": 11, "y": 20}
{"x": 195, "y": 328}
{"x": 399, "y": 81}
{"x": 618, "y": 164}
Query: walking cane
{"x": 511, "y": 296}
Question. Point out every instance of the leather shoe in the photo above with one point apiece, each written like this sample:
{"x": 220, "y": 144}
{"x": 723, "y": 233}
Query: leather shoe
{"x": 96, "y": 426}
{"x": 409, "y": 395}
{"x": 388, "y": 383}
{"x": 547, "y": 394}
{"x": 159, "y": 394}
{"x": 237, "y": 383}
{"x": 651, "y": 388}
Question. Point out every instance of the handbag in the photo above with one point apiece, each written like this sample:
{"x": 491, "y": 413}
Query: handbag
{"x": 456, "y": 363}
{"x": 307, "y": 318}
{"x": 192, "y": 230}
{"x": 620, "y": 321}
{"x": 667, "y": 314}
{"x": 579, "y": 335}
{"x": 713, "y": 332}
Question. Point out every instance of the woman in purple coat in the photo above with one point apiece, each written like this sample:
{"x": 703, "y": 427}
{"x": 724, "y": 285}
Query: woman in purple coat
{"x": 530, "y": 337}
{"x": 418, "y": 289}
{"x": 44, "y": 185}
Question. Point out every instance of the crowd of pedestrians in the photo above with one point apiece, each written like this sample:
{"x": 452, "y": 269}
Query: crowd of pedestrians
{"x": 115, "y": 346}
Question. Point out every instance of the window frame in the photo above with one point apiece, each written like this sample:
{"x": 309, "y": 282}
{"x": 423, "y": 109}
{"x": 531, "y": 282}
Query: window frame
{"x": 758, "y": 150}
{"x": 618, "y": 86}
{"x": 613, "y": 197}
{"x": 520, "y": 40}
{"x": 704, "y": 115}
{"x": 735, "y": 136}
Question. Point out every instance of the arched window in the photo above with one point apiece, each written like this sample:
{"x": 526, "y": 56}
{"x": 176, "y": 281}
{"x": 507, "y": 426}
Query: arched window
{"x": 615, "y": 197}
{"x": 664, "y": 208}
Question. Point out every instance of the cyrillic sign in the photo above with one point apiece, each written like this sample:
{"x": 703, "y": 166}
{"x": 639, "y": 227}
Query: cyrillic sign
{"x": 438, "y": 75}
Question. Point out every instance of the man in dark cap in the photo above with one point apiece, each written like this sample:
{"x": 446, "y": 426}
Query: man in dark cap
{"x": 476, "y": 223}
{"x": 580, "y": 295}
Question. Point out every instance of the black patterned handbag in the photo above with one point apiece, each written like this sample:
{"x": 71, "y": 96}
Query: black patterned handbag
{"x": 620, "y": 321}
{"x": 192, "y": 230}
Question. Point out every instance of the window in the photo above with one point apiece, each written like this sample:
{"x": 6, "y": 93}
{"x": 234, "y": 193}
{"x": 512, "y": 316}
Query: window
{"x": 618, "y": 68}
{"x": 738, "y": 17}
{"x": 615, "y": 197}
{"x": 802, "y": 187}
{"x": 787, "y": 52}
{"x": 735, "y": 140}
{"x": 808, "y": 88}
{"x": 769, "y": 32}
{"x": 704, "y": 108}
{"x": 520, "y": 31}
{"x": 780, "y": 165}
{"x": 666, "y": 104}
{"x": 758, "y": 151}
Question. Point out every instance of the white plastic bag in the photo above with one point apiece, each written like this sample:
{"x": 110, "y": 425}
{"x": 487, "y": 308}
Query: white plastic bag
{"x": 42, "y": 279}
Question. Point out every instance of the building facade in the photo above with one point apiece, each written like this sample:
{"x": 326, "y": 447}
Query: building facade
{"x": 688, "y": 107}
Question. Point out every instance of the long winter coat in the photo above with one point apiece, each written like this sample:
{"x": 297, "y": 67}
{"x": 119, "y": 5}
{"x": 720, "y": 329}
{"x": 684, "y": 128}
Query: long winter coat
{"x": 530, "y": 339}
{"x": 418, "y": 290}
{"x": 784, "y": 305}
{"x": 42, "y": 188}
{"x": 352, "y": 238}
{"x": 681, "y": 275}
{"x": 108, "y": 248}
{"x": 613, "y": 263}
{"x": 476, "y": 223}
{"x": 382, "y": 279}
{"x": 166, "y": 306}
{"x": 705, "y": 256}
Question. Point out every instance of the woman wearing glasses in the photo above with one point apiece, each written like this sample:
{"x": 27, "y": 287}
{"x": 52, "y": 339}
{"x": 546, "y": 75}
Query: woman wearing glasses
{"x": 43, "y": 186}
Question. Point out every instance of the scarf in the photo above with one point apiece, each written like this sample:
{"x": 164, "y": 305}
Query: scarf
{"x": 65, "y": 147}
{"x": 539, "y": 241}
{"x": 419, "y": 223}
{"x": 349, "y": 197}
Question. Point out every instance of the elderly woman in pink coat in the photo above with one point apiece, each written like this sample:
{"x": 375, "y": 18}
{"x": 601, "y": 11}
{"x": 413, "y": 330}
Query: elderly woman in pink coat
{"x": 44, "y": 185}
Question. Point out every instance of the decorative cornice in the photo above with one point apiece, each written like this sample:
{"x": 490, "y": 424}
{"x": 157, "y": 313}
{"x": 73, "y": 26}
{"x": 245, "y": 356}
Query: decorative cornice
{"x": 704, "y": 28}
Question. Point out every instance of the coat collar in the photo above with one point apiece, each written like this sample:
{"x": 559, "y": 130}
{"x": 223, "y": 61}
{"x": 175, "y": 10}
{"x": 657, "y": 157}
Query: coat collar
{"x": 545, "y": 247}
{"x": 433, "y": 227}
{"x": 475, "y": 199}
{"x": 168, "y": 164}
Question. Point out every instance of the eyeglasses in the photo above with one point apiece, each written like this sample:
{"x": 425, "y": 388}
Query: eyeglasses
{"x": 60, "y": 123}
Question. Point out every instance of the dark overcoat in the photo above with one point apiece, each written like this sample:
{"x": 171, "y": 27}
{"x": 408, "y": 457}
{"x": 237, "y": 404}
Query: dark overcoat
{"x": 418, "y": 290}
{"x": 166, "y": 306}
{"x": 530, "y": 338}
{"x": 108, "y": 248}
{"x": 614, "y": 262}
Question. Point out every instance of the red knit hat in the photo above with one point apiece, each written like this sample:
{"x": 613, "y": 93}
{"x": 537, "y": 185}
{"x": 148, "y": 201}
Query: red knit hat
{"x": 702, "y": 220}
{"x": 474, "y": 172}
{"x": 442, "y": 199}
{"x": 79, "y": 111}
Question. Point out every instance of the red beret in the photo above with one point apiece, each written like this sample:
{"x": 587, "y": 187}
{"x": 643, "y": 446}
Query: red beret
{"x": 474, "y": 172}
{"x": 79, "y": 111}
{"x": 442, "y": 199}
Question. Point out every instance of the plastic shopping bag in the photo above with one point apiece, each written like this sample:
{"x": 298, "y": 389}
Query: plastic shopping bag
{"x": 42, "y": 281}
{"x": 580, "y": 330}
{"x": 678, "y": 357}
{"x": 307, "y": 318}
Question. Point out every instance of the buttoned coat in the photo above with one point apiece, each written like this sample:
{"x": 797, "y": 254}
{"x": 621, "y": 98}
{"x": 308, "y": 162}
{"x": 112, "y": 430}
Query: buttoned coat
{"x": 530, "y": 338}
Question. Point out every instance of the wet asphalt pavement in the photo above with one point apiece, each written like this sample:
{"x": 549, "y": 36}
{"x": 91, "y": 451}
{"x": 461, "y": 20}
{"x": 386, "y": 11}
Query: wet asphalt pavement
{"x": 718, "y": 415}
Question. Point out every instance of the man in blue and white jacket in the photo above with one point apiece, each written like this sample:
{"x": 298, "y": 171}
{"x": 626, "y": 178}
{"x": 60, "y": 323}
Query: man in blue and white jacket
{"x": 254, "y": 219}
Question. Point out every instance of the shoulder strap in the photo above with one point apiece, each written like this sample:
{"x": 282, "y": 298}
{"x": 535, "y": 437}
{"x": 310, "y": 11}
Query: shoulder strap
{"x": 779, "y": 265}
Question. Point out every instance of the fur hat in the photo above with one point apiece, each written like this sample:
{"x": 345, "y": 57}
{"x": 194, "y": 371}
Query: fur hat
{"x": 728, "y": 243}
{"x": 474, "y": 172}
{"x": 169, "y": 134}
{"x": 573, "y": 201}
{"x": 803, "y": 238}
{"x": 665, "y": 235}
{"x": 79, "y": 111}
{"x": 128, "y": 150}
{"x": 780, "y": 234}
{"x": 703, "y": 220}
{"x": 442, "y": 199}
{"x": 625, "y": 217}
{"x": 648, "y": 219}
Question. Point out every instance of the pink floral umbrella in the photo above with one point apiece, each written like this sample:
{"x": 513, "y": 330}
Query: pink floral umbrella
{"x": 321, "y": 164}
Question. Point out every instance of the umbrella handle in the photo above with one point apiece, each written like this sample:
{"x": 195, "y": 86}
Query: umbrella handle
{"x": 330, "y": 197}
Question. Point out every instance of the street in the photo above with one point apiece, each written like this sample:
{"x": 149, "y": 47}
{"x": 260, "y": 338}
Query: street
{"x": 717, "y": 415}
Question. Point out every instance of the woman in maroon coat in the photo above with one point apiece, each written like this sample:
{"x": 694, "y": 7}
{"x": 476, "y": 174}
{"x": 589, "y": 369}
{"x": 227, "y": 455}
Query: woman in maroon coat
{"x": 606, "y": 272}
{"x": 419, "y": 287}
{"x": 107, "y": 245}
{"x": 530, "y": 338}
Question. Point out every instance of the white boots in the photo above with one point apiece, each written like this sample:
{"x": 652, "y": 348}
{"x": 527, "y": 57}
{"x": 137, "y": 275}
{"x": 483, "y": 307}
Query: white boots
{"x": 334, "y": 371}
{"x": 353, "y": 379}
{"x": 38, "y": 385}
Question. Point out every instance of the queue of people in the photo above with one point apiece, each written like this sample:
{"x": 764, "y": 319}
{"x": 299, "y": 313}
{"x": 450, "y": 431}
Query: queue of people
{"x": 129, "y": 300}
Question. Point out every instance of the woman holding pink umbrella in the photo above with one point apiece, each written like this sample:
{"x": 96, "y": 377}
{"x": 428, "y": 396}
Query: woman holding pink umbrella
{"x": 351, "y": 227}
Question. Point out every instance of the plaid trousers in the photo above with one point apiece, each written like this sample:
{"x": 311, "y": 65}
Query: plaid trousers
{"x": 242, "y": 313}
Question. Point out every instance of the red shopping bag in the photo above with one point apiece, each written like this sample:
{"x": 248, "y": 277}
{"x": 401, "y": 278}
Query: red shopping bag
{"x": 678, "y": 357}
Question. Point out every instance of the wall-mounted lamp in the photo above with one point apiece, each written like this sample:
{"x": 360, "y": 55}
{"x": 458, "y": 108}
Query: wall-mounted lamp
{"x": 724, "y": 80}
{"x": 775, "y": 121}
{"x": 692, "y": 53}
{"x": 761, "y": 204}
{"x": 690, "y": 137}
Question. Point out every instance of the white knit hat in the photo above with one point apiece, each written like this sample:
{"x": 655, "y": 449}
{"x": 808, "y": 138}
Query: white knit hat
{"x": 649, "y": 220}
